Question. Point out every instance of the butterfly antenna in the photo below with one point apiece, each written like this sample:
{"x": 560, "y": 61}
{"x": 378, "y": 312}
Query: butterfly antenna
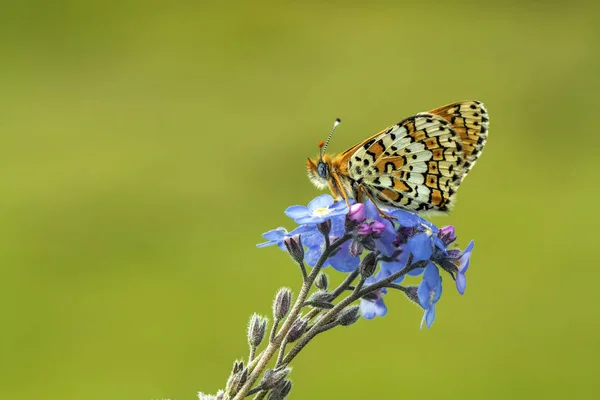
{"x": 324, "y": 147}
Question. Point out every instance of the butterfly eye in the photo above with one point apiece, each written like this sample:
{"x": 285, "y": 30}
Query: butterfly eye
{"x": 322, "y": 170}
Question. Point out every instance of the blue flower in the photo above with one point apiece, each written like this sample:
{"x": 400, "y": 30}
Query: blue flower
{"x": 408, "y": 219}
{"x": 319, "y": 210}
{"x": 463, "y": 266}
{"x": 386, "y": 234}
{"x": 372, "y": 305}
{"x": 407, "y": 236}
{"x": 278, "y": 235}
{"x": 429, "y": 292}
{"x": 341, "y": 260}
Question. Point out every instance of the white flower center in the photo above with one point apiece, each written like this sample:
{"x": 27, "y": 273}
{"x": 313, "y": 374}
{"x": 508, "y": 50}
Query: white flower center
{"x": 321, "y": 212}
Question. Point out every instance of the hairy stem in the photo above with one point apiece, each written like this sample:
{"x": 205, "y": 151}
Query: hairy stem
{"x": 273, "y": 331}
{"x": 261, "y": 395}
{"x": 272, "y": 346}
{"x": 303, "y": 270}
{"x": 356, "y": 294}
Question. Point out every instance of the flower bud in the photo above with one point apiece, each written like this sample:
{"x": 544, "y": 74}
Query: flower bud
{"x": 325, "y": 227}
{"x": 282, "y": 303}
{"x": 281, "y": 391}
{"x": 364, "y": 229}
{"x": 355, "y": 216}
{"x": 273, "y": 377}
{"x": 378, "y": 227}
{"x": 349, "y": 316}
{"x": 236, "y": 381}
{"x": 322, "y": 281}
{"x": 320, "y": 299}
{"x": 293, "y": 244}
{"x": 355, "y": 248}
{"x": 447, "y": 235}
{"x": 256, "y": 330}
{"x": 368, "y": 264}
{"x": 297, "y": 329}
{"x": 411, "y": 293}
{"x": 238, "y": 365}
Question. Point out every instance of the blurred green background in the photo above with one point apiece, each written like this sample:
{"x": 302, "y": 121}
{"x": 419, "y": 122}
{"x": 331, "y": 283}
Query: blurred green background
{"x": 145, "y": 146}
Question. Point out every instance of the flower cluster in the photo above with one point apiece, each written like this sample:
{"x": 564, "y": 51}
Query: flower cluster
{"x": 374, "y": 251}
{"x": 390, "y": 249}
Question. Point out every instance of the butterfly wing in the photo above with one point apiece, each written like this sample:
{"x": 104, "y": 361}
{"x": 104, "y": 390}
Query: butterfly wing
{"x": 471, "y": 121}
{"x": 419, "y": 163}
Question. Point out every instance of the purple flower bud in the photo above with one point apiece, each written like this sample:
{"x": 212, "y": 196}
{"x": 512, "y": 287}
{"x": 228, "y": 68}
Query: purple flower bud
{"x": 355, "y": 248}
{"x": 447, "y": 234}
{"x": 378, "y": 228}
{"x": 294, "y": 246}
{"x": 368, "y": 264}
{"x": 349, "y": 316}
{"x": 324, "y": 227}
{"x": 322, "y": 281}
{"x": 256, "y": 330}
{"x": 357, "y": 212}
{"x": 236, "y": 381}
{"x": 297, "y": 329}
{"x": 282, "y": 303}
{"x": 281, "y": 391}
{"x": 320, "y": 299}
{"x": 411, "y": 293}
{"x": 364, "y": 229}
{"x": 272, "y": 377}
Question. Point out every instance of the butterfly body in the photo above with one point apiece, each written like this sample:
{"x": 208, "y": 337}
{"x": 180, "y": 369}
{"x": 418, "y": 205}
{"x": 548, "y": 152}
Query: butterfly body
{"x": 415, "y": 165}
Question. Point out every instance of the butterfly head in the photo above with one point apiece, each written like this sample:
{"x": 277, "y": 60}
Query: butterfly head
{"x": 319, "y": 171}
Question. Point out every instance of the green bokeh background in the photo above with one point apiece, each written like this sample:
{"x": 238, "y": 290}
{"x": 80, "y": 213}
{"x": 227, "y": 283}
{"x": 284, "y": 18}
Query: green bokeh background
{"x": 145, "y": 146}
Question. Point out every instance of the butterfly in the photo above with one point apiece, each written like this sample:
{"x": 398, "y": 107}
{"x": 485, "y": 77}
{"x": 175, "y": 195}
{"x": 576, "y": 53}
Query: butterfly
{"x": 415, "y": 165}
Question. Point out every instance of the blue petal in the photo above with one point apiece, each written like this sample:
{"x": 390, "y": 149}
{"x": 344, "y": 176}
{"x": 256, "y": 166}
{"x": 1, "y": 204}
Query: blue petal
{"x": 275, "y": 234}
{"x": 337, "y": 225}
{"x": 311, "y": 219}
{"x": 430, "y": 315}
{"x": 380, "y": 307}
{"x": 416, "y": 272}
{"x": 420, "y": 246}
{"x": 423, "y": 293}
{"x": 461, "y": 283}
{"x": 343, "y": 261}
{"x": 265, "y": 244}
{"x": 340, "y": 206}
{"x": 296, "y": 212}
{"x": 313, "y": 238}
{"x": 465, "y": 259}
{"x": 368, "y": 309}
{"x": 371, "y": 211}
{"x": 407, "y": 219}
{"x": 438, "y": 291}
{"x": 303, "y": 229}
{"x": 370, "y": 280}
{"x": 439, "y": 244}
{"x": 322, "y": 201}
{"x": 432, "y": 276}
{"x": 311, "y": 256}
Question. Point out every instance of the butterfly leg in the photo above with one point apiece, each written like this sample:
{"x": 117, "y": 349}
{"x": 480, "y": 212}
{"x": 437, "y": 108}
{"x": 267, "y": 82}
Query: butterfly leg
{"x": 341, "y": 189}
{"x": 363, "y": 190}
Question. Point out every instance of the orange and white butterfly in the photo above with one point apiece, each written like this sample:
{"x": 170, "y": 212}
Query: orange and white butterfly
{"x": 416, "y": 164}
